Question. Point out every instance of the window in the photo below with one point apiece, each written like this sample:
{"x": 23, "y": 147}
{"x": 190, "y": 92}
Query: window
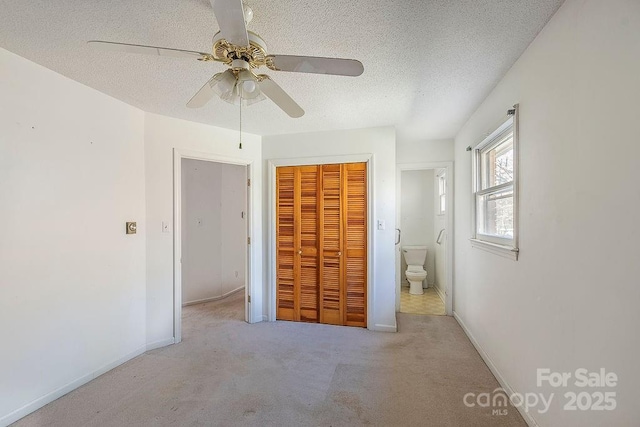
{"x": 495, "y": 190}
{"x": 442, "y": 193}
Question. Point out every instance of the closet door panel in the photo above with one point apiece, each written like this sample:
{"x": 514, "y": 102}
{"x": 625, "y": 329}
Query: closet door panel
{"x": 308, "y": 244}
{"x": 285, "y": 244}
{"x": 355, "y": 243}
{"x": 331, "y": 270}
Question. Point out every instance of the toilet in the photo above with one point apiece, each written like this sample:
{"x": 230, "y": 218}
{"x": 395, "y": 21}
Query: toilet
{"x": 415, "y": 257}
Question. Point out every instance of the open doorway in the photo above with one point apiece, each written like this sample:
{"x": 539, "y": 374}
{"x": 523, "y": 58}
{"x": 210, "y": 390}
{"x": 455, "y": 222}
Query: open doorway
{"x": 211, "y": 246}
{"x": 423, "y": 239}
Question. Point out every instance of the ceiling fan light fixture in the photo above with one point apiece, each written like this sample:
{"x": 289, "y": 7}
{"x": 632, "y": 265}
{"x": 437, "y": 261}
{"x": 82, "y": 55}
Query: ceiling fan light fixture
{"x": 243, "y": 52}
{"x": 224, "y": 85}
{"x": 249, "y": 101}
{"x": 248, "y": 86}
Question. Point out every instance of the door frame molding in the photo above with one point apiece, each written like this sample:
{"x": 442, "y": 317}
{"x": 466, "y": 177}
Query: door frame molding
{"x": 251, "y": 287}
{"x": 271, "y": 247}
{"x": 449, "y": 235}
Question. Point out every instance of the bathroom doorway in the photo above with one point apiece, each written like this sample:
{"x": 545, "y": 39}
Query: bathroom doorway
{"x": 424, "y": 237}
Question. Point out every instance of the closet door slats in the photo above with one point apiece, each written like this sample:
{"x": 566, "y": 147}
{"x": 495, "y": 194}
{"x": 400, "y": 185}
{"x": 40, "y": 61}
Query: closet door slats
{"x": 308, "y": 243}
{"x": 355, "y": 218}
{"x": 285, "y": 242}
{"x": 321, "y": 243}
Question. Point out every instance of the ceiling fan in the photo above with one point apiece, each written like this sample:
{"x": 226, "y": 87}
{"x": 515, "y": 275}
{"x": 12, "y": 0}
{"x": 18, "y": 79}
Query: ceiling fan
{"x": 244, "y": 51}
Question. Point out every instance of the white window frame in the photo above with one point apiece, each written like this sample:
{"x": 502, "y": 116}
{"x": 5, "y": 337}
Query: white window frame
{"x": 501, "y": 246}
{"x": 442, "y": 192}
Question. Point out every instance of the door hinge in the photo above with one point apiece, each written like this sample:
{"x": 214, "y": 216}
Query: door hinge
{"x": 248, "y": 240}
{"x": 248, "y": 182}
{"x": 248, "y": 298}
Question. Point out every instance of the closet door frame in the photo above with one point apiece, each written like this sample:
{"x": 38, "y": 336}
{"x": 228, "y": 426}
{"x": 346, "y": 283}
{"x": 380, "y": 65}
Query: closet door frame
{"x": 306, "y": 161}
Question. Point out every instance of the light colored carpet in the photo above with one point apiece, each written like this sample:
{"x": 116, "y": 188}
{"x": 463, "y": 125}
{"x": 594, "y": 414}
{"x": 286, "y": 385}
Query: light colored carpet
{"x": 227, "y": 373}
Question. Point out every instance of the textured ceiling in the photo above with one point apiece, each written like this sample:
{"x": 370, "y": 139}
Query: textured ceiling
{"x": 428, "y": 64}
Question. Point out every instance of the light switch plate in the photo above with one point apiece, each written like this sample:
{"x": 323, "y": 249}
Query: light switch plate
{"x": 381, "y": 224}
{"x": 132, "y": 227}
{"x": 165, "y": 227}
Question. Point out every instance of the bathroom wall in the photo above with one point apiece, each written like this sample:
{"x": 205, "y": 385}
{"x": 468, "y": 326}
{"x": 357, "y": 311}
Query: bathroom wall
{"x": 439, "y": 223}
{"x": 417, "y": 211}
{"x": 213, "y": 229}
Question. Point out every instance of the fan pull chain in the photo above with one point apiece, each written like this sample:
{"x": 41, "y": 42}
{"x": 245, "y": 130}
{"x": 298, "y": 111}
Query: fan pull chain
{"x": 240, "y": 146}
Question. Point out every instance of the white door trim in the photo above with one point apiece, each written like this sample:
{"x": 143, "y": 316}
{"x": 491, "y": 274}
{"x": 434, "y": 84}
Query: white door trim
{"x": 250, "y": 285}
{"x": 448, "y": 166}
{"x": 323, "y": 160}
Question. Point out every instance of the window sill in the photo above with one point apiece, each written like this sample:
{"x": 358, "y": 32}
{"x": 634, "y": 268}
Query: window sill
{"x": 504, "y": 251}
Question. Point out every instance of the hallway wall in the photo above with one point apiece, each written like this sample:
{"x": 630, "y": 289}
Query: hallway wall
{"x": 214, "y": 231}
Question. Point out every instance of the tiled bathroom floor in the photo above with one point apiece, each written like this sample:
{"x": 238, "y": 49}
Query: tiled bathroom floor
{"x": 427, "y": 303}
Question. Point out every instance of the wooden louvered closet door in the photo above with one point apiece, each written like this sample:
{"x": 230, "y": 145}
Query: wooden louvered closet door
{"x": 354, "y": 190}
{"x": 321, "y": 233}
{"x": 297, "y": 243}
{"x": 331, "y": 239}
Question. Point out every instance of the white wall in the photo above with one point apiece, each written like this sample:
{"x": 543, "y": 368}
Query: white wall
{"x": 72, "y": 283}
{"x": 439, "y": 223}
{"x": 162, "y": 134}
{"x": 571, "y": 301}
{"x": 381, "y": 143}
{"x": 233, "y": 227}
{"x": 408, "y": 151}
{"x": 417, "y": 221}
{"x": 214, "y": 231}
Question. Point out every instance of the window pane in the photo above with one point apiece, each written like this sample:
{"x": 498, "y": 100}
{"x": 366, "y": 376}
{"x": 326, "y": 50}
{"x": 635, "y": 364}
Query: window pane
{"x": 495, "y": 214}
{"x": 497, "y": 164}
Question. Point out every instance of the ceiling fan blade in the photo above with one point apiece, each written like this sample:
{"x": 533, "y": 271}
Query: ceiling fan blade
{"x": 315, "y": 64}
{"x": 205, "y": 93}
{"x": 230, "y": 17}
{"x": 150, "y": 50}
{"x": 279, "y": 96}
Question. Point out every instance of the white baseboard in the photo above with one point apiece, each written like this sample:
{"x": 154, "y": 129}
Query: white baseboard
{"x": 55, "y": 394}
{"x": 200, "y": 301}
{"x": 440, "y": 293}
{"x": 384, "y": 328}
{"x": 496, "y": 373}
{"x": 160, "y": 344}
